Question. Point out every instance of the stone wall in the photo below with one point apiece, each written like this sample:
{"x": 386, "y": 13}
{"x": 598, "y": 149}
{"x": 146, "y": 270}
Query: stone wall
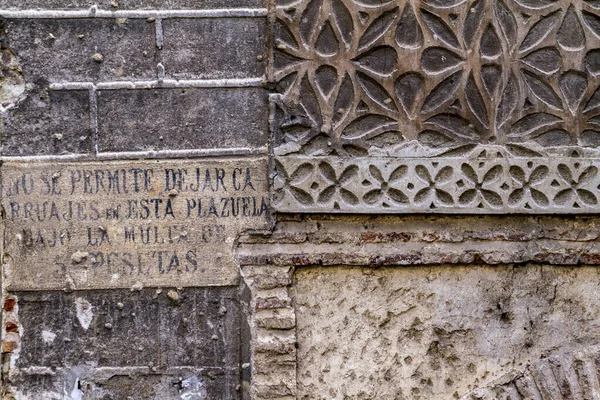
{"x": 308, "y": 199}
{"x": 424, "y": 307}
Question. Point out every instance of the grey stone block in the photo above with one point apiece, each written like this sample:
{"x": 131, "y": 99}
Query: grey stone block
{"x": 84, "y": 49}
{"x": 182, "y": 119}
{"x": 214, "y": 47}
{"x": 48, "y": 123}
{"x": 130, "y": 4}
{"x": 143, "y": 344}
{"x": 130, "y": 328}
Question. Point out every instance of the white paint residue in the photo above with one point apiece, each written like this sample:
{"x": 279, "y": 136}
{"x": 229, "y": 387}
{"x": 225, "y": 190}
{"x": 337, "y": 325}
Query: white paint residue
{"x": 192, "y": 388}
{"x": 84, "y": 312}
{"x": 76, "y": 393}
{"x": 48, "y": 336}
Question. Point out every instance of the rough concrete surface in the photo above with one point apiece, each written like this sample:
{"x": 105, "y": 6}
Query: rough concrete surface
{"x": 436, "y": 333}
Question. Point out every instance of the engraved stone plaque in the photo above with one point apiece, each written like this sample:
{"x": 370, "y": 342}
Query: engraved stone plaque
{"x": 129, "y": 223}
{"x": 478, "y": 106}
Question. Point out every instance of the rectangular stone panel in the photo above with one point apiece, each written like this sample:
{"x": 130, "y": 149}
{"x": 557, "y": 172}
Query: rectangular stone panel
{"x": 48, "y": 122}
{"x": 129, "y": 224}
{"x": 214, "y": 47}
{"x": 168, "y": 119}
{"x": 130, "y": 4}
{"x": 99, "y": 337}
{"x": 84, "y": 49}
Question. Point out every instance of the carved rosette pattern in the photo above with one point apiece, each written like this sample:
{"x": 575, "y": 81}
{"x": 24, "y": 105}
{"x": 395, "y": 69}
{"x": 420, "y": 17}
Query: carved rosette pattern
{"x": 377, "y": 73}
{"x": 435, "y": 79}
{"x": 477, "y": 185}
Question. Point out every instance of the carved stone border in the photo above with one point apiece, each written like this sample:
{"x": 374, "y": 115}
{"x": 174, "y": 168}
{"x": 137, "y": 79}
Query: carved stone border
{"x": 566, "y": 375}
{"x": 491, "y": 185}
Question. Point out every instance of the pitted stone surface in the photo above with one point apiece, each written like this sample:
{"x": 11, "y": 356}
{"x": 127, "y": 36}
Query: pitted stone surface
{"x": 435, "y": 79}
{"x": 129, "y": 224}
{"x": 440, "y": 332}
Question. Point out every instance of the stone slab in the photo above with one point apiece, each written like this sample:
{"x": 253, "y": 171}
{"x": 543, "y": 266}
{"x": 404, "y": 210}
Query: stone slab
{"x": 214, "y": 48}
{"x": 121, "y": 343}
{"x": 174, "y": 119}
{"x": 129, "y": 224}
{"x": 60, "y": 50}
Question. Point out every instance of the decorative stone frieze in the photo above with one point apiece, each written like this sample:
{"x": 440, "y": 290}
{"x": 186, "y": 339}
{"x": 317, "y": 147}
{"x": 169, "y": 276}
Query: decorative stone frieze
{"x": 493, "y": 105}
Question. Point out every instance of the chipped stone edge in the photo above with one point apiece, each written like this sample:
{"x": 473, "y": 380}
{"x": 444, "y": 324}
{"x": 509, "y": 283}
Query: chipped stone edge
{"x": 94, "y": 12}
{"x": 140, "y": 155}
{"x": 272, "y": 320}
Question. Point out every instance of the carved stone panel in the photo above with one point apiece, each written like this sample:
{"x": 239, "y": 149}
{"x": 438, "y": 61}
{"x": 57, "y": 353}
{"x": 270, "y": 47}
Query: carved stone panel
{"x": 455, "y": 92}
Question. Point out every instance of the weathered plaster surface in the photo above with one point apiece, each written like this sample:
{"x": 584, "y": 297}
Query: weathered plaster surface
{"x": 437, "y": 333}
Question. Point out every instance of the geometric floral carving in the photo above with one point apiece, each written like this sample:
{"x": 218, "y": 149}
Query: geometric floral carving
{"x": 564, "y": 375}
{"x": 358, "y": 76}
{"x": 442, "y": 184}
{"x": 440, "y": 105}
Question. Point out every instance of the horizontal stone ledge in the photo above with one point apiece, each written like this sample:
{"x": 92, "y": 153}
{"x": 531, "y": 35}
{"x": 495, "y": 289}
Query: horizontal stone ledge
{"x": 552, "y": 252}
{"x": 361, "y": 229}
{"x": 108, "y": 372}
{"x": 136, "y": 155}
{"x": 161, "y": 84}
{"x": 93, "y": 12}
